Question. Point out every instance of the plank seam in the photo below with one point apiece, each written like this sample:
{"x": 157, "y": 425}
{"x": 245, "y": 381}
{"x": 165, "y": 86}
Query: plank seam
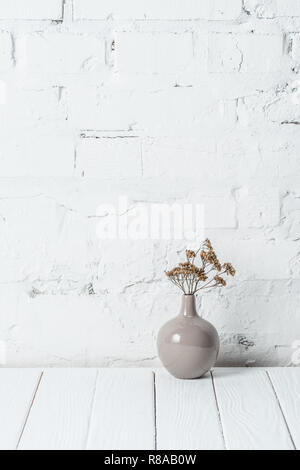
{"x": 29, "y": 409}
{"x": 91, "y": 410}
{"x": 154, "y": 410}
{"x": 281, "y": 410}
{"x": 218, "y": 411}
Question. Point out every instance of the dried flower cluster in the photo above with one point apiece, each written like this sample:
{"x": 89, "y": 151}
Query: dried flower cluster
{"x": 191, "y": 278}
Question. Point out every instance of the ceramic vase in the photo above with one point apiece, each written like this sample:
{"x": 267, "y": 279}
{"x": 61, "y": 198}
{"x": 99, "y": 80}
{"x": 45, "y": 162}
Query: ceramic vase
{"x": 188, "y": 345}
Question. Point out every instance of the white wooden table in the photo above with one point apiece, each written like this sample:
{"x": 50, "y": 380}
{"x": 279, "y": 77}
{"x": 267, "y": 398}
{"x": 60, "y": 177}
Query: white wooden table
{"x": 144, "y": 409}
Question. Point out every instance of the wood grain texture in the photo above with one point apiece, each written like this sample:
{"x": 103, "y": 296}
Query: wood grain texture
{"x": 286, "y": 382}
{"x": 186, "y": 414}
{"x": 123, "y": 411}
{"x": 17, "y": 388}
{"x": 115, "y": 409}
{"x": 250, "y": 414}
{"x": 60, "y": 414}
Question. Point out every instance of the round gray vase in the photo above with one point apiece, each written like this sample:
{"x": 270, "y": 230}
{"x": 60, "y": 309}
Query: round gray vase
{"x": 188, "y": 345}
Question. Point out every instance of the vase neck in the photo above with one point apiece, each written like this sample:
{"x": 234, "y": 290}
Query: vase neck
{"x": 188, "y": 306}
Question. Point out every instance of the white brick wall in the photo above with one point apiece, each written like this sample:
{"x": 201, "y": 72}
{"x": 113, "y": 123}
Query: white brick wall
{"x": 118, "y": 105}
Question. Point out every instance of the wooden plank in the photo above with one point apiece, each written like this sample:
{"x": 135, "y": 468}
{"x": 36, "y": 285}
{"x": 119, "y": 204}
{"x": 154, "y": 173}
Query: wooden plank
{"x": 17, "y": 388}
{"x": 286, "y": 382}
{"x": 123, "y": 412}
{"x": 250, "y": 414}
{"x": 60, "y": 414}
{"x": 186, "y": 414}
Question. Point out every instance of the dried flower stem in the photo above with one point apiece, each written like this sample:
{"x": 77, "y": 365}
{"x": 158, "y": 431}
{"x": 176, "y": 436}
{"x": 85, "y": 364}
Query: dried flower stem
{"x": 188, "y": 277}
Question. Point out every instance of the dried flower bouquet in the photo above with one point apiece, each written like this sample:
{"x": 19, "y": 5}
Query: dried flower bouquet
{"x": 191, "y": 278}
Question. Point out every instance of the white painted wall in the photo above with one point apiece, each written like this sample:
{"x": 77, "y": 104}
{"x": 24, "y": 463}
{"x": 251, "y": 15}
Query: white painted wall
{"x": 161, "y": 101}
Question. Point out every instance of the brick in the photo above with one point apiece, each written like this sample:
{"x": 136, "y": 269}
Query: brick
{"x": 31, "y": 10}
{"x": 168, "y": 9}
{"x": 36, "y": 154}
{"x": 258, "y": 207}
{"x": 6, "y": 59}
{"x": 162, "y": 157}
{"x": 93, "y": 108}
{"x": 289, "y": 168}
{"x": 53, "y": 55}
{"x": 273, "y": 8}
{"x": 144, "y": 250}
{"x": 162, "y": 112}
{"x": 261, "y": 8}
{"x": 40, "y": 108}
{"x": 242, "y": 53}
{"x": 259, "y": 259}
{"x": 153, "y": 53}
{"x": 29, "y": 223}
{"x": 219, "y": 211}
{"x": 223, "y": 53}
{"x": 256, "y": 298}
{"x": 253, "y": 60}
{"x": 288, "y": 8}
{"x": 290, "y": 211}
{"x": 109, "y": 157}
{"x": 8, "y": 304}
{"x": 284, "y": 109}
